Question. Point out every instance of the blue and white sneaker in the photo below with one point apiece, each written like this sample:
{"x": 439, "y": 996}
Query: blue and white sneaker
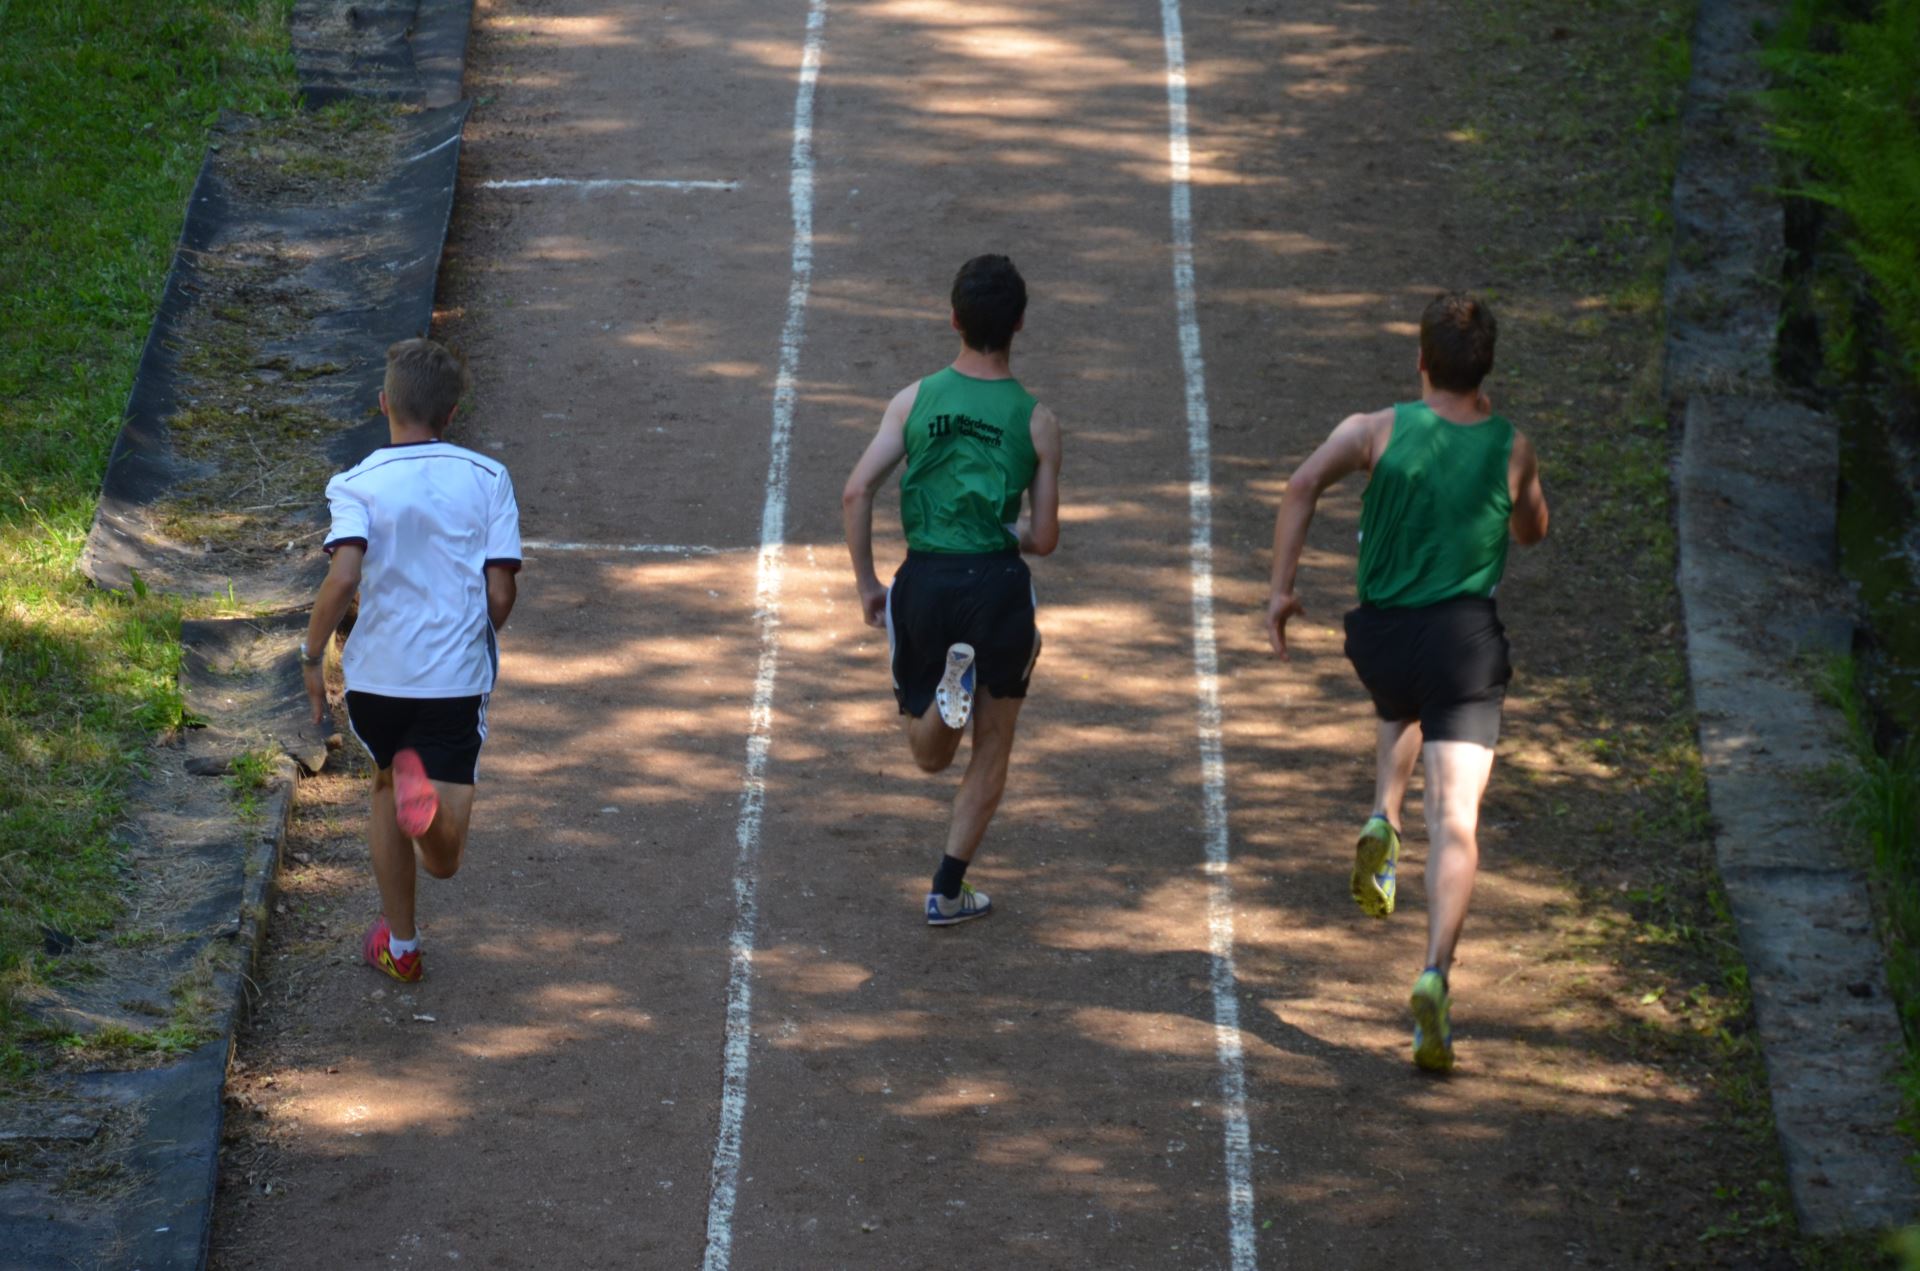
{"x": 965, "y": 907}
{"x": 955, "y": 694}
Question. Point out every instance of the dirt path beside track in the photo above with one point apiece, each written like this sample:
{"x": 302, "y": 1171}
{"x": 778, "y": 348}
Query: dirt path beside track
{"x": 1041, "y": 1089}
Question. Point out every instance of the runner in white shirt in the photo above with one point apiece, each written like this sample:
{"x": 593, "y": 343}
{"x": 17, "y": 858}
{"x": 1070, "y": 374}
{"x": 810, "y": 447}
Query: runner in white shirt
{"x": 428, "y": 534}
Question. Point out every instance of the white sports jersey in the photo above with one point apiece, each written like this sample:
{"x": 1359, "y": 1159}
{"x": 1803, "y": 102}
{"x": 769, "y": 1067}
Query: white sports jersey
{"x": 431, "y": 516}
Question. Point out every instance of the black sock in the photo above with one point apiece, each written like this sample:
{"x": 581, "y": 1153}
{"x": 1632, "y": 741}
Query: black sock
{"x": 946, "y": 879}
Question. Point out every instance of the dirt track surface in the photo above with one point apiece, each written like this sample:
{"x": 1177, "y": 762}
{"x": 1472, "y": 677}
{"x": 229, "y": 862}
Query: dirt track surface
{"x": 1040, "y": 1089}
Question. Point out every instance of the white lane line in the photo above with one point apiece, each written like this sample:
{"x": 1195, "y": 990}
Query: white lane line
{"x": 724, "y": 1185}
{"x": 607, "y": 183}
{"x": 649, "y": 549}
{"x": 1206, "y": 667}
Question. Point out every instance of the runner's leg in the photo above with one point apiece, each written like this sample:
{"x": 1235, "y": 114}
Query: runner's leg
{"x": 1398, "y": 748}
{"x": 442, "y": 846}
{"x": 932, "y": 742}
{"x": 393, "y": 867}
{"x": 1457, "y": 774}
{"x": 986, "y": 779}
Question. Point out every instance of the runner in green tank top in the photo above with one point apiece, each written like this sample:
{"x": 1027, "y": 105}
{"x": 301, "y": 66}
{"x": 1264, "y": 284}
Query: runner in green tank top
{"x": 970, "y": 457}
{"x": 960, "y": 613}
{"x": 1448, "y": 483}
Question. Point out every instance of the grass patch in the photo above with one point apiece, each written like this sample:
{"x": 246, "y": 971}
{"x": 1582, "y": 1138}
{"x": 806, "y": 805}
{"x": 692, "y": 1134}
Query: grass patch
{"x": 1847, "y": 114}
{"x": 105, "y": 107}
{"x": 298, "y": 158}
{"x": 249, "y": 775}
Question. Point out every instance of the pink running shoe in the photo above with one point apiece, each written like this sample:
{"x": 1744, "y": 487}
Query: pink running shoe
{"x": 415, "y": 801}
{"x": 406, "y": 968}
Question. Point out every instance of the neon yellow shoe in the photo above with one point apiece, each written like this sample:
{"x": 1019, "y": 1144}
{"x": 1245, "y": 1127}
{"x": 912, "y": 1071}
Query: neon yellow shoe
{"x": 1375, "y": 859}
{"x": 1432, "y": 1033}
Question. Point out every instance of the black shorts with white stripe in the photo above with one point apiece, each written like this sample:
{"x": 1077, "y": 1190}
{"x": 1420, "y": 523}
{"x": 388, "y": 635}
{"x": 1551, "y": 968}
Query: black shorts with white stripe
{"x": 939, "y": 599}
{"x": 447, "y": 731}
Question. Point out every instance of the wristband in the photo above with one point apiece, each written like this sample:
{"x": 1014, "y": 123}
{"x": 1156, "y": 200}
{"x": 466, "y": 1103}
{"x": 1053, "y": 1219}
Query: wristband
{"x": 311, "y": 661}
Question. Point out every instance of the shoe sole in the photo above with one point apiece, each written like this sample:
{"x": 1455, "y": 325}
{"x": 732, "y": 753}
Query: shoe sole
{"x": 415, "y": 801}
{"x": 955, "y": 703}
{"x": 1369, "y": 854}
{"x": 392, "y": 972}
{"x": 1433, "y": 1053}
{"x": 957, "y": 919}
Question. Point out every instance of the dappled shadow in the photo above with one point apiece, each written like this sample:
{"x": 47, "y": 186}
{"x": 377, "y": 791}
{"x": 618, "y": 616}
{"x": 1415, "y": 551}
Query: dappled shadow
{"x": 1043, "y": 1084}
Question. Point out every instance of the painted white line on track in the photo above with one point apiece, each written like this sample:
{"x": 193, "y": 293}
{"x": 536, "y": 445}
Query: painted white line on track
{"x": 649, "y": 549}
{"x": 1206, "y": 668}
{"x": 605, "y": 183}
{"x": 724, "y": 1185}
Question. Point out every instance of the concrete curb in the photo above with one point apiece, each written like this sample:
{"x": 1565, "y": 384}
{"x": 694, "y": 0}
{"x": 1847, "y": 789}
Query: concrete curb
{"x": 1755, "y": 487}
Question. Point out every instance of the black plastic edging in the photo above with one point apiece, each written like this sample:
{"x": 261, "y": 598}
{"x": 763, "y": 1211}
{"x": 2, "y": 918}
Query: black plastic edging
{"x": 371, "y": 265}
{"x": 402, "y": 50}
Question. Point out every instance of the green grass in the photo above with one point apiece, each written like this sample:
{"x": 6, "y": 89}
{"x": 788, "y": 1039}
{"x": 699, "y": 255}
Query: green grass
{"x": 1847, "y": 114}
{"x": 250, "y": 773}
{"x": 1883, "y": 804}
{"x": 104, "y": 112}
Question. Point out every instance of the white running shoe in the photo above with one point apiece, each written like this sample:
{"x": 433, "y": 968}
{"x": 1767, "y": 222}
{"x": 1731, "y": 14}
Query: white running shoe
{"x": 955, "y": 694}
{"x": 965, "y": 907}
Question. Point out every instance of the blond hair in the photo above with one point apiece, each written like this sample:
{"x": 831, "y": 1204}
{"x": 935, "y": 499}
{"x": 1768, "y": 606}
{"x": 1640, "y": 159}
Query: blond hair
{"x": 425, "y": 381}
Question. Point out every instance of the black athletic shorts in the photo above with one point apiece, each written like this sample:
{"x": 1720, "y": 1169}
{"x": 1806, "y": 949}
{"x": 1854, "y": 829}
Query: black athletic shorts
{"x": 447, "y": 731}
{"x": 1444, "y": 665}
{"x": 937, "y": 600}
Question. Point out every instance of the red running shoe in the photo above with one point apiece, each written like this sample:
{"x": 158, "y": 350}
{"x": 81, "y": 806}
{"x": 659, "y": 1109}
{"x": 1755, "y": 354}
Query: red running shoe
{"x": 415, "y": 801}
{"x": 406, "y": 968}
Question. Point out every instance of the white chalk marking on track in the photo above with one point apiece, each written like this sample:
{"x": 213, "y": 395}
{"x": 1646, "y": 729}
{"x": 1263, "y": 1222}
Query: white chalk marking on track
{"x": 1206, "y": 667}
{"x": 724, "y": 1184}
{"x": 649, "y": 549}
{"x": 605, "y": 183}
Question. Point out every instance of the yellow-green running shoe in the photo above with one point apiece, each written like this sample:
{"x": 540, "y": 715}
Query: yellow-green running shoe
{"x": 1375, "y": 858}
{"x": 1432, "y": 1034}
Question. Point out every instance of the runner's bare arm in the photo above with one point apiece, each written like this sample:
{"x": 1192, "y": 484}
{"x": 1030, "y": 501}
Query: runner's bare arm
{"x": 1528, "y": 521}
{"x": 503, "y": 588}
{"x": 1348, "y": 449}
{"x": 1039, "y": 530}
{"x": 329, "y": 607}
{"x": 884, "y": 453}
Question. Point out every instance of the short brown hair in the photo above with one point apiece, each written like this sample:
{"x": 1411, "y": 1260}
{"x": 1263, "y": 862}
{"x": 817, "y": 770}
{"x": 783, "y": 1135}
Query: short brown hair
{"x": 1456, "y": 341}
{"x": 425, "y": 381}
{"x": 989, "y": 298}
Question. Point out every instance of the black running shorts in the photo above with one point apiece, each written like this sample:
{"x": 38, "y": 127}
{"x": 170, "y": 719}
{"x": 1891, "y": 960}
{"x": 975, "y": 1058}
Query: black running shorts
{"x": 1444, "y": 665}
{"x": 937, "y": 600}
{"x": 447, "y": 731}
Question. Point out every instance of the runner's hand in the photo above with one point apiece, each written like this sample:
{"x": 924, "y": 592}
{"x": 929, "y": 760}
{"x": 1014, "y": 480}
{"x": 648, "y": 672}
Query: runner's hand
{"x": 1279, "y": 609}
{"x": 316, "y": 681}
{"x": 873, "y": 603}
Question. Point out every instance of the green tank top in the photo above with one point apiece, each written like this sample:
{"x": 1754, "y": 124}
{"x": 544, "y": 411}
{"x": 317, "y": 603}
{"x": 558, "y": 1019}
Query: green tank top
{"x": 969, "y": 459}
{"x": 1433, "y": 522}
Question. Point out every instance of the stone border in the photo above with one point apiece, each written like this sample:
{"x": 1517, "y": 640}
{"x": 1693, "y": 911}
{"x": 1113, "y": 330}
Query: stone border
{"x": 1755, "y": 486}
{"x": 155, "y": 1131}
